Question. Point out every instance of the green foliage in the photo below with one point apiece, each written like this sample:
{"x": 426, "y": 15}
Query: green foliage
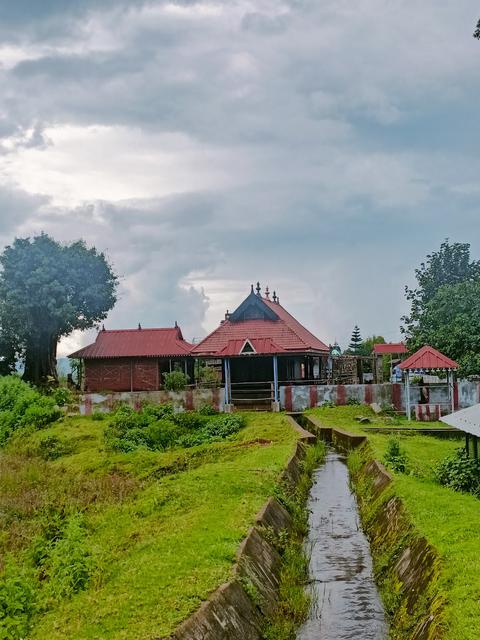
{"x": 459, "y": 472}
{"x": 23, "y": 406}
{"x": 62, "y": 396}
{"x": 98, "y": 416}
{"x": 207, "y": 410}
{"x": 476, "y": 33}
{"x": 355, "y": 341}
{"x": 175, "y": 380}
{"x": 17, "y": 603}
{"x": 445, "y": 307}
{"x": 207, "y": 376}
{"x": 158, "y": 428}
{"x": 353, "y": 402}
{"x": 47, "y": 290}
{"x": 395, "y": 457}
{"x": 51, "y": 448}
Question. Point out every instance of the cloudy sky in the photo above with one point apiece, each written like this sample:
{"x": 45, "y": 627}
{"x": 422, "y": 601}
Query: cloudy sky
{"x": 323, "y": 147}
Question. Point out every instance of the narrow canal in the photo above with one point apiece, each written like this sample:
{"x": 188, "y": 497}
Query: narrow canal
{"x": 345, "y": 601}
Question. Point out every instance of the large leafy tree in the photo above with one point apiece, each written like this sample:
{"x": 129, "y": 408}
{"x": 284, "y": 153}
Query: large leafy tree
{"x": 443, "y": 309}
{"x": 47, "y": 290}
{"x": 476, "y": 33}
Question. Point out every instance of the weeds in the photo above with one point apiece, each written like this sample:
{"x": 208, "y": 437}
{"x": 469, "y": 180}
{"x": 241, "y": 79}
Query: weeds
{"x": 395, "y": 457}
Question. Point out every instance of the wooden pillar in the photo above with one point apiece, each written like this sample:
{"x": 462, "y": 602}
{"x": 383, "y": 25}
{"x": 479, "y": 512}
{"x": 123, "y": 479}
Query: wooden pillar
{"x": 467, "y": 444}
{"x": 407, "y": 395}
{"x": 475, "y": 447}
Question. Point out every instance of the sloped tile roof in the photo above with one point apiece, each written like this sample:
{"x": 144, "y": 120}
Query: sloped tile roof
{"x": 428, "y": 358}
{"x": 124, "y": 343}
{"x": 285, "y": 335}
{"x": 389, "y": 347}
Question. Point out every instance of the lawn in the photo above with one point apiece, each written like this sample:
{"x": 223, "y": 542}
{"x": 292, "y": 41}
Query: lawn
{"x": 450, "y": 521}
{"x": 161, "y": 529}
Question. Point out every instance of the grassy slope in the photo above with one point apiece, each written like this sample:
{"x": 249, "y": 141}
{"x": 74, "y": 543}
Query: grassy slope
{"x": 449, "y": 520}
{"x": 162, "y": 539}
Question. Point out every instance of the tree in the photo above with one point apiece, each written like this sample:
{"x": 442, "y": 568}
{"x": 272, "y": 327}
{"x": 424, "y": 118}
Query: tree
{"x": 366, "y": 347}
{"x": 355, "y": 341}
{"x": 47, "y": 290}
{"x": 449, "y": 266}
{"x": 445, "y": 310}
{"x": 451, "y": 323}
{"x": 476, "y": 33}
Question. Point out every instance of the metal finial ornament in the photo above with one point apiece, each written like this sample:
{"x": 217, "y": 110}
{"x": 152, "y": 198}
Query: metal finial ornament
{"x": 274, "y": 296}
{"x": 251, "y": 288}
{"x": 139, "y": 326}
{"x": 267, "y": 292}
{"x": 176, "y": 324}
{"x": 258, "y": 288}
{"x": 103, "y": 327}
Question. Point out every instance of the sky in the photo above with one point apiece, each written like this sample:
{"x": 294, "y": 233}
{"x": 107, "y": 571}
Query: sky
{"x": 321, "y": 147}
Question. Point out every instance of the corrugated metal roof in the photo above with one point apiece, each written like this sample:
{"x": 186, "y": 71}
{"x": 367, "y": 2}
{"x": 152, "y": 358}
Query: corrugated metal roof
{"x": 428, "y": 358}
{"x": 467, "y": 420}
{"x": 285, "y": 335}
{"x": 389, "y": 347}
{"x": 124, "y": 343}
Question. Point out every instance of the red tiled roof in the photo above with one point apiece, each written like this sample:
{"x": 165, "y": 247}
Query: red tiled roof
{"x": 389, "y": 347}
{"x": 124, "y": 343}
{"x": 285, "y": 335}
{"x": 428, "y": 358}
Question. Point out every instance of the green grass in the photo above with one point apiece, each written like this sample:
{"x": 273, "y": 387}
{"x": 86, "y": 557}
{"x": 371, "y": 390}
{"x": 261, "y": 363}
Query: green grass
{"x": 162, "y": 529}
{"x": 450, "y": 521}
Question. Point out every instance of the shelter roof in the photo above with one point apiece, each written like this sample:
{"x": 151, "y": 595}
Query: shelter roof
{"x": 122, "y": 343}
{"x": 428, "y": 358}
{"x": 467, "y": 420}
{"x": 389, "y": 347}
{"x": 266, "y": 324}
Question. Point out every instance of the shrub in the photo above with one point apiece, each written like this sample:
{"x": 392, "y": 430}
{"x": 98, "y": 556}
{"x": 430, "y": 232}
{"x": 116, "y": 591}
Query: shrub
{"x": 158, "y": 411}
{"x": 17, "y": 604}
{"x": 353, "y": 401}
{"x": 395, "y": 457}
{"x": 68, "y": 564}
{"x": 175, "y": 380}
{"x": 162, "y": 434}
{"x": 207, "y": 410}
{"x": 459, "y": 472}
{"x": 51, "y": 448}
{"x": 23, "y": 406}
{"x": 190, "y": 420}
{"x": 98, "y": 415}
{"x": 62, "y": 396}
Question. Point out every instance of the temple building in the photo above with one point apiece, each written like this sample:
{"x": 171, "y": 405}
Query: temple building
{"x": 259, "y": 346}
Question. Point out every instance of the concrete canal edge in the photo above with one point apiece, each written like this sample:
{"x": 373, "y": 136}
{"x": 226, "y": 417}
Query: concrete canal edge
{"x": 407, "y": 567}
{"x": 240, "y": 608}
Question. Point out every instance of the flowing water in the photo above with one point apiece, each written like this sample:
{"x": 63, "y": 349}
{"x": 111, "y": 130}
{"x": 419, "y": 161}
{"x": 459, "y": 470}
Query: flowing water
{"x": 345, "y": 601}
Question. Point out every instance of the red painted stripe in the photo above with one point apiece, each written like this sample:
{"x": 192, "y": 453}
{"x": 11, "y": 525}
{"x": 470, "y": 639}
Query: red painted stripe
{"x": 368, "y": 394}
{"x": 341, "y": 394}
{"x": 189, "y": 399}
{"x": 427, "y": 409}
{"x": 313, "y": 396}
{"x": 397, "y": 396}
{"x": 288, "y": 398}
{"x": 455, "y": 395}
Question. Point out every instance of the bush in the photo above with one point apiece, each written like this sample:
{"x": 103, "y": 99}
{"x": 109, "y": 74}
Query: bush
{"x": 62, "y": 396}
{"x": 395, "y": 457}
{"x": 23, "y": 406}
{"x": 353, "y": 401}
{"x": 17, "y": 604}
{"x": 207, "y": 410}
{"x": 459, "y": 472}
{"x": 98, "y": 415}
{"x": 130, "y": 430}
{"x": 51, "y": 448}
{"x": 175, "y": 380}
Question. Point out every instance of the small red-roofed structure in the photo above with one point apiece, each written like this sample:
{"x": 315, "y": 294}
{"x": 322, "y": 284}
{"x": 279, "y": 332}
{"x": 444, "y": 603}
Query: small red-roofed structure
{"x": 133, "y": 359}
{"x": 393, "y": 348}
{"x": 428, "y": 359}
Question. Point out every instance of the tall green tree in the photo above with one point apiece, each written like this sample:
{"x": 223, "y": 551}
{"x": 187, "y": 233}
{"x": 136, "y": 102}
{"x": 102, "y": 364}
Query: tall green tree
{"x": 444, "y": 310}
{"x": 355, "y": 341}
{"x": 47, "y": 290}
{"x": 476, "y": 33}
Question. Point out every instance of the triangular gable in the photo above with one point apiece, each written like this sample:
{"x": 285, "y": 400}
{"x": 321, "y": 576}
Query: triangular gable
{"x": 253, "y": 308}
{"x": 247, "y": 348}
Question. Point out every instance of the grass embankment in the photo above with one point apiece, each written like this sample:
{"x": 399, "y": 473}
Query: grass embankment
{"x": 449, "y": 520}
{"x": 159, "y": 529}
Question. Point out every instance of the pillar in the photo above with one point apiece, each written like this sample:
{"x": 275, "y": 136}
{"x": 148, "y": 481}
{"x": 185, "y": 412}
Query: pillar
{"x": 276, "y": 401}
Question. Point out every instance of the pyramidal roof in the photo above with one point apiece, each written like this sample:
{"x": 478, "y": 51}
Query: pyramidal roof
{"x": 267, "y": 326}
{"x": 428, "y": 358}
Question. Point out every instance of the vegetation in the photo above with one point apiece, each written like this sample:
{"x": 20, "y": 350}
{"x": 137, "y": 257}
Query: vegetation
{"x": 23, "y": 407}
{"x": 175, "y": 380}
{"x": 459, "y": 472}
{"x": 157, "y": 427}
{"x": 395, "y": 457}
{"x": 445, "y": 308}
{"x": 47, "y": 290}
{"x": 87, "y": 533}
{"x": 476, "y": 33}
{"x": 355, "y": 341}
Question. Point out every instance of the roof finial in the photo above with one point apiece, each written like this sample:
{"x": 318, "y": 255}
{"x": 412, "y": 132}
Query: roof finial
{"x": 278, "y": 299}
{"x": 176, "y": 324}
{"x": 267, "y": 293}
{"x": 227, "y": 315}
{"x": 258, "y": 289}
{"x": 139, "y": 326}
{"x": 103, "y": 327}
{"x": 251, "y": 288}
{"x": 274, "y": 296}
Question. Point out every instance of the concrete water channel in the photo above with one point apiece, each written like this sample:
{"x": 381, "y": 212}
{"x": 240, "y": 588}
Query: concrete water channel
{"x": 345, "y": 601}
